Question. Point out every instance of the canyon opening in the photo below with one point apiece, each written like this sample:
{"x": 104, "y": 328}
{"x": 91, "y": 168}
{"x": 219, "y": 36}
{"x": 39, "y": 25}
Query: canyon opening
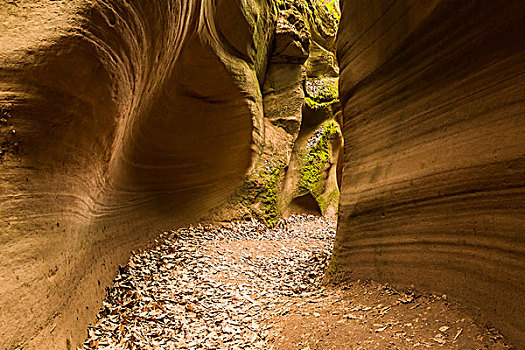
{"x": 262, "y": 174}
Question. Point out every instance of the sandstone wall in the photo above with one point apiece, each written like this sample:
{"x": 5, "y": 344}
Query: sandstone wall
{"x": 118, "y": 118}
{"x": 297, "y": 169}
{"x": 434, "y": 122}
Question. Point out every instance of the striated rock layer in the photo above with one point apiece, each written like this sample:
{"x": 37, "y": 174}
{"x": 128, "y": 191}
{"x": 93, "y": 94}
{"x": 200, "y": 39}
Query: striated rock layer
{"x": 434, "y": 122}
{"x": 117, "y": 118}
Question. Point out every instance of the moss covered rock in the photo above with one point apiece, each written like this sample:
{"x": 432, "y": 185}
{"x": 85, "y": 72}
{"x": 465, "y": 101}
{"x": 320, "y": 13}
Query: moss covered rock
{"x": 316, "y": 165}
{"x": 299, "y": 100}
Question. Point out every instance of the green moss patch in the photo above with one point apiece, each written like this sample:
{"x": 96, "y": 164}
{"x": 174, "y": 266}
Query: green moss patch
{"x": 322, "y": 89}
{"x": 323, "y": 14}
{"x": 315, "y": 162}
{"x": 321, "y": 93}
{"x": 315, "y": 105}
{"x": 325, "y": 201}
{"x": 271, "y": 193}
{"x": 331, "y": 8}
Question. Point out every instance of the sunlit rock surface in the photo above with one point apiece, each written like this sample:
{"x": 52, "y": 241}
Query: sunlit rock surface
{"x": 299, "y": 163}
{"x": 120, "y": 118}
{"x": 433, "y": 184}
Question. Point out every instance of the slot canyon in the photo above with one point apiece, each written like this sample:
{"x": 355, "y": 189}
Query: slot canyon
{"x": 363, "y": 162}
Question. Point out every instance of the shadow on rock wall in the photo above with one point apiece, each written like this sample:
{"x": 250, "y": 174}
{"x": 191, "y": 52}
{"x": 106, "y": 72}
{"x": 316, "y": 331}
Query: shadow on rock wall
{"x": 433, "y": 186}
{"x": 118, "y": 118}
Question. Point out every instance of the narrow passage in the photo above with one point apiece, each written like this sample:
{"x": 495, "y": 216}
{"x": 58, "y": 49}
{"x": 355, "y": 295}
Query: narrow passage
{"x": 242, "y": 285}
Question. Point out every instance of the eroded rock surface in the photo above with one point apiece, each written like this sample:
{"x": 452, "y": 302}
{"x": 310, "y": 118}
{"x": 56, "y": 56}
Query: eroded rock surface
{"x": 121, "y": 115}
{"x": 118, "y": 118}
{"x": 115, "y": 115}
{"x": 433, "y": 187}
{"x": 298, "y": 167}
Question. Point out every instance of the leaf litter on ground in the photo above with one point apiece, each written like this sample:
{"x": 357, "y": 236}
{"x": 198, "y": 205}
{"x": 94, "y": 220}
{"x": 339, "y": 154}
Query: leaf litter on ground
{"x": 243, "y": 285}
{"x": 192, "y": 291}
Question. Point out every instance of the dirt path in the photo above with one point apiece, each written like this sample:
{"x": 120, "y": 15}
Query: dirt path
{"x": 244, "y": 286}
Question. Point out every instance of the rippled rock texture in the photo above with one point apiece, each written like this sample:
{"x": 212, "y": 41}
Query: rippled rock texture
{"x": 117, "y": 118}
{"x": 433, "y": 185}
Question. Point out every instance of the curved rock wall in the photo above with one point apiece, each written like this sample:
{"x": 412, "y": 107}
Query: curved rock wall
{"x": 117, "y": 118}
{"x": 434, "y": 118}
